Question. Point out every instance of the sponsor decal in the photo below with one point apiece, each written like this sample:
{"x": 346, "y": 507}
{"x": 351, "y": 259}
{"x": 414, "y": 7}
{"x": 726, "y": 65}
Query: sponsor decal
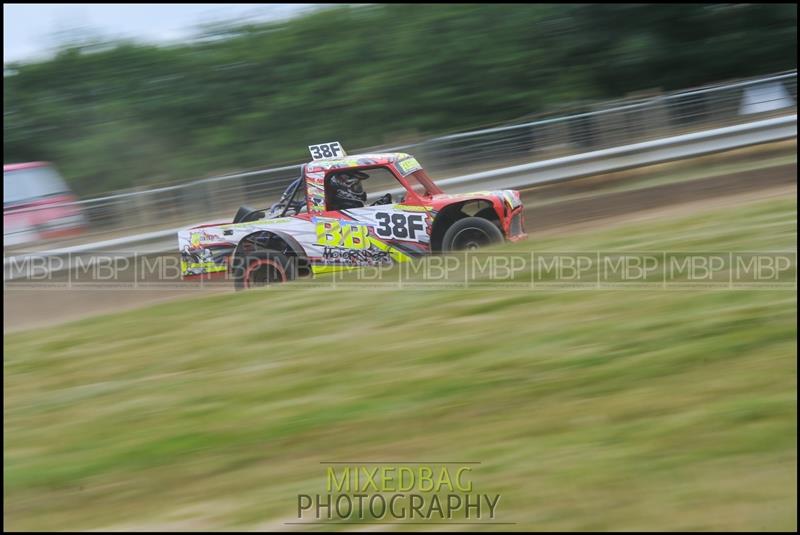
{"x": 346, "y": 234}
{"x": 408, "y": 165}
{"x": 342, "y": 255}
{"x": 412, "y": 208}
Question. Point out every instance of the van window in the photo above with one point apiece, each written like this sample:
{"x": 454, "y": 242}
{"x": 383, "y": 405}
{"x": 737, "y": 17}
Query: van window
{"x": 32, "y": 183}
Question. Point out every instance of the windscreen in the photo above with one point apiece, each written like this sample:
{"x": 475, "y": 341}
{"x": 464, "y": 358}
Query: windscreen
{"x": 422, "y": 185}
{"x": 31, "y": 184}
{"x": 417, "y": 179}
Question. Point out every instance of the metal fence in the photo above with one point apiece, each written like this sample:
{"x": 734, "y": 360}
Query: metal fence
{"x": 587, "y": 128}
{"x": 612, "y": 124}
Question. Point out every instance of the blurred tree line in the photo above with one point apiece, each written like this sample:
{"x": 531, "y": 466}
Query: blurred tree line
{"x": 122, "y": 114}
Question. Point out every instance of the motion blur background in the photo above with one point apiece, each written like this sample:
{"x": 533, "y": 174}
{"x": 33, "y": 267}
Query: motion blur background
{"x": 588, "y": 410}
{"x": 240, "y": 95}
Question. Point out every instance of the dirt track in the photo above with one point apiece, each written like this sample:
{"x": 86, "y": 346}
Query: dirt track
{"x": 28, "y": 308}
{"x": 606, "y": 205}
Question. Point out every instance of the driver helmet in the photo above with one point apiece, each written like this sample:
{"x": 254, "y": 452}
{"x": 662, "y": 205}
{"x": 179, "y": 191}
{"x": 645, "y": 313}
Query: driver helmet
{"x": 346, "y": 189}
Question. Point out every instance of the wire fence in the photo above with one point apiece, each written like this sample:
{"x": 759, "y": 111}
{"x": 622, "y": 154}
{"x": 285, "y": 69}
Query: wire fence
{"x": 589, "y": 127}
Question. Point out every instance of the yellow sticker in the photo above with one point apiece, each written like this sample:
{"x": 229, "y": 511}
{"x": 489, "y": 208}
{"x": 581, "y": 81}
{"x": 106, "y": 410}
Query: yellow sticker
{"x": 413, "y": 208}
{"x": 408, "y": 166}
{"x": 342, "y": 234}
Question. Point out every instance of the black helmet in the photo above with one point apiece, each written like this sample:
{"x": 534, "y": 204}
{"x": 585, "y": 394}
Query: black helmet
{"x": 347, "y": 191}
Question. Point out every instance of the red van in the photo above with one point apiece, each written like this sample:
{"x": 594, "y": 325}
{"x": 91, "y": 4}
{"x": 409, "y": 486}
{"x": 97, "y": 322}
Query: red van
{"x": 38, "y": 204}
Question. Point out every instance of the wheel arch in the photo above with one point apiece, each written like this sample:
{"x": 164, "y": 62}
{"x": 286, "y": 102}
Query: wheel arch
{"x": 483, "y": 207}
{"x": 276, "y": 240}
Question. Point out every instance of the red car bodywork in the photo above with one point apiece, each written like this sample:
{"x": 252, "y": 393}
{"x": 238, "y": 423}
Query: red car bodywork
{"x": 508, "y": 210}
{"x": 208, "y": 250}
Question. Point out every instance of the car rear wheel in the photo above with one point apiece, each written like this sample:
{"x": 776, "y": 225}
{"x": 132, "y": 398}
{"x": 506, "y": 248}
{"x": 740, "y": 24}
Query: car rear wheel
{"x": 262, "y": 268}
{"x": 471, "y": 233}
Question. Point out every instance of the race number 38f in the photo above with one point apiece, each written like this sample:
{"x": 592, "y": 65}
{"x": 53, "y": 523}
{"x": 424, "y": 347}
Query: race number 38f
{"x": 326, "y": 150}
{"x": 400, "y": 226}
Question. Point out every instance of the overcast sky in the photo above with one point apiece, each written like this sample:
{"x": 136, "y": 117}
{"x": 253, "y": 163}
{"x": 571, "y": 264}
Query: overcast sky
{"x": 30, "y": 30}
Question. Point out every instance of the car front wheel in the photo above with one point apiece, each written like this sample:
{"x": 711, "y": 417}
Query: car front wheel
{"x": 471, "y": 233}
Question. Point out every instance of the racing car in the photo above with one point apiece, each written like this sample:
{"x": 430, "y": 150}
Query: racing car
{"x": 325, "y": 222}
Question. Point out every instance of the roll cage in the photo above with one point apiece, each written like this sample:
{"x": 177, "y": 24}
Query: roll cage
{"x": 287, "y": 202}
{"x": 296, "y": 198}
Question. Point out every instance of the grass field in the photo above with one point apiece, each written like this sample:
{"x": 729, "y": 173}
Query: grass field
{"x": 589, "y": 409}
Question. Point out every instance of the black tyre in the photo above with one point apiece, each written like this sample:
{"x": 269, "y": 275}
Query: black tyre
{"x": 471, "y": 233}
{"x": 262, "y": 268}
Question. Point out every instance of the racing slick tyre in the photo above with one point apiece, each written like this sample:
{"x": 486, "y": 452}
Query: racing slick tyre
{"x": 471, "y": 233}
{"x": 262, "y": 268}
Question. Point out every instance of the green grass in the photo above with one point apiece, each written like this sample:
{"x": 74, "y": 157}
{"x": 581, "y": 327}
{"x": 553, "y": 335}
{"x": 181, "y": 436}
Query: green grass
{"x": 604, "y": 410}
